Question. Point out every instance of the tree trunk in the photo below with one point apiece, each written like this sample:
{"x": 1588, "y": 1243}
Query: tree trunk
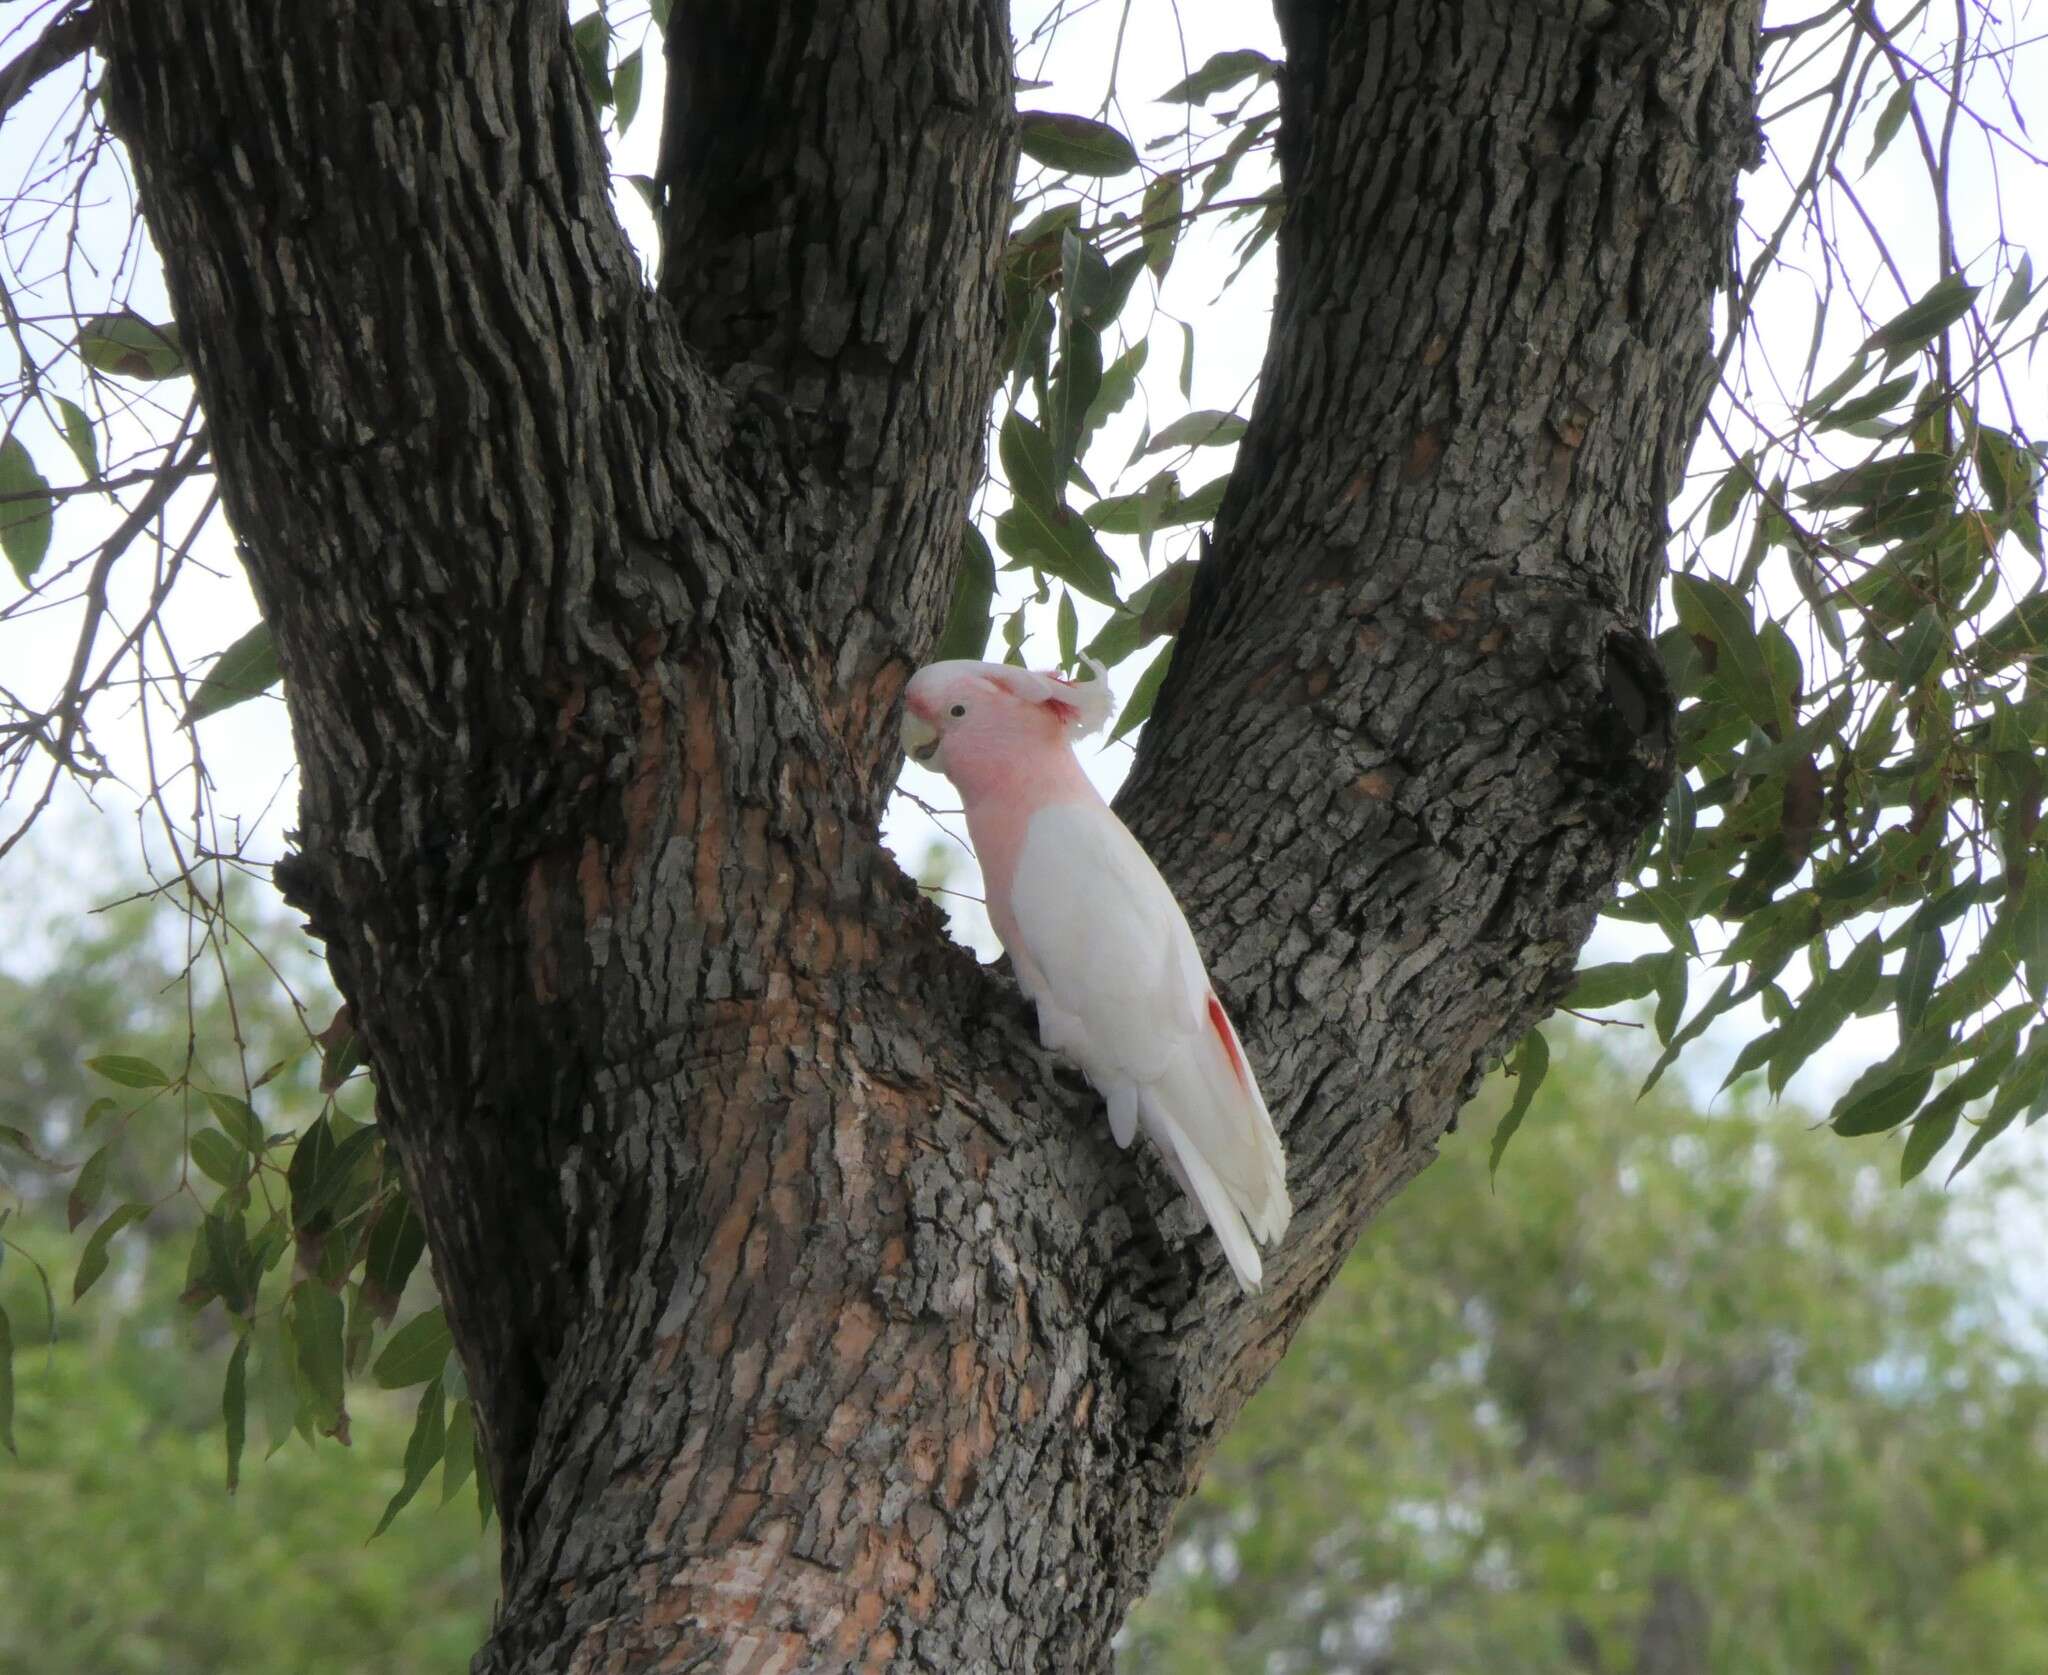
{"x": 812, "y": 1319}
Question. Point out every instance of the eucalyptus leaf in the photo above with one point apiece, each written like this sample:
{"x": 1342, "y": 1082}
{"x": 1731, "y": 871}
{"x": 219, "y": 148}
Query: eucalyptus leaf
{"x": 248, "y": 668}
{"x": 27, "y": 510}
{"x": 1075, "y": 144}
{"x": 1531, "y": 1065}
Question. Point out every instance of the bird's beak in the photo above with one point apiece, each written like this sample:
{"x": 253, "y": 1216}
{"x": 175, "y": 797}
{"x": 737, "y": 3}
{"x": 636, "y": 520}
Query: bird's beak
{"x": 920, "y": 737}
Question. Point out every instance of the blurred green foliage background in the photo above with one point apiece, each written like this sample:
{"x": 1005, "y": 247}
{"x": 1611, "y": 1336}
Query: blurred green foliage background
{"x": 1686, "y": 1393}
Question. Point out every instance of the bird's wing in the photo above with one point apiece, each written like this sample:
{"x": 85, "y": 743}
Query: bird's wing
{"x": 1106, "y": 939}
{"x": 1112, "y": 949}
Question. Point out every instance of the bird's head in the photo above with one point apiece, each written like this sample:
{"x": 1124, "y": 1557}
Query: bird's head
{"x": 959, "y": 713}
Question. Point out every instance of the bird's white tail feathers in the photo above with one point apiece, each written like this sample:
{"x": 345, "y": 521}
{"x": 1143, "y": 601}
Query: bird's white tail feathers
{"x": 1206, "y": 1115}
{"x": 1225, "y": 1219}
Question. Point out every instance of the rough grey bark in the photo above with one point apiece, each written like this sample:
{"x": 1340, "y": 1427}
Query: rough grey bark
{"x": 811, "y": 1317}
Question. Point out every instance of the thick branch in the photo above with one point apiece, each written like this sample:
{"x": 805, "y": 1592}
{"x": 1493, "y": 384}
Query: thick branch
{"x": 68, "y": 35}
{"x": 1413, "y": 728}
{"x": 837, "y": 184}
{"x": 481, "y": 492}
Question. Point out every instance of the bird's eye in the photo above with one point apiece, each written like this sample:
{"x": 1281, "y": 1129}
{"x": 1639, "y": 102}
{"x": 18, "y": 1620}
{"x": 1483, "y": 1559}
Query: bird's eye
{"x": 957, "y": 711}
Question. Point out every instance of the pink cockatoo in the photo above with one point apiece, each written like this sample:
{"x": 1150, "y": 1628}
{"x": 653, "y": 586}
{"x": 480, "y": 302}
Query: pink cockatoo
{"x": 1098, "y": 942}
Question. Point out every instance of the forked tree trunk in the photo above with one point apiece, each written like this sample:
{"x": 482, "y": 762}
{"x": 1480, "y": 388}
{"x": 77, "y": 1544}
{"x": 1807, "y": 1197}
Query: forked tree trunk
{"x": 812, "y": 1319}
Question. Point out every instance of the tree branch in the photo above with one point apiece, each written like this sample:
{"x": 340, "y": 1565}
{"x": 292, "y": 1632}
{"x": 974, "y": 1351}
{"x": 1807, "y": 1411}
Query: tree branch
{"x": 66, "y": 36}
{"x": 803, "y": 151}
{"x": 1413, "y": 726}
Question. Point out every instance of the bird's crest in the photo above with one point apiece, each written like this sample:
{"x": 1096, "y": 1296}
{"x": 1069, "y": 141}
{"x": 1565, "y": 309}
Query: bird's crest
{"x": 1085, "y": 706}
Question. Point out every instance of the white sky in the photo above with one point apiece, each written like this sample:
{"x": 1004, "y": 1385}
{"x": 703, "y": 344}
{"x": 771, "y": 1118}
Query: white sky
{"x": 248, "y": 751}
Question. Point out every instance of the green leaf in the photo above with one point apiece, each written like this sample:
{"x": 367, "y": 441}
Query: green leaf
{"x": 1119, "y": 384}
{"x": 2021, "y": 634}
{"x": 2022, "y": 1082}
{"x": 396, "y": 1242}
{"x": 1945, "y": 303}
{"x": 277, "y": 1391}
{"x": 317, "y": 1319}
{"x": 92, "y": 1261}
{"x": 234, "y": 1409}
{"x": 1096, "y": 289}
{"x": 1532, "y": 1064}
{"x": 322, "y": 1169}
{"x": 1888, "y": 121}
{"x": 1060, "y": 544}
{"x": 1664, "y": 907}
{"x": 974, "y": 590}
{"x": 1880, "y": 400}
{"x": 1073, "y": 393}
{"x": 1882, "y": 483}
{"x": 650, "y": 192}
{"x": 422, "y": 1453}
{"x": 2007, "y": 472}
{"x": 1205, "y": 428}
{"x": 1027, "y": 456}
{"x": 1995, "y": 1123}
{"x": 7, "y": 1384}
{"x": 1075, "y": 144}
{"x": 1881, "y": 1098}
{"x": 1709, "y": 609}
{"x": 1600, "y": 986}
{"x": 1925, "y": 956}
{"x": 1987, "y": 1055}
{"x": 1754, "y": 1052}
{"x": 1222, "y": 71}
{"x": 218, "y": 1157}
{"x": 128, "y": 346}
{"x": 1681, "y": 818}
{"x": 460, "y": 1452}
{"x": 1159, "y": 505}
{"x": 341, "y": 1048}
{"x": 1837, "y": 387}
{"x": 225, "y": 1264}
{"x": 1069, "y": 629}
{"x": 626, "y": 90}
{"x": 239, "y": 1118}
{"x": 1162, "y": 603}
{"x": 1827, "y": 1005}
{"x": 129, "y": 1071}
{"x": 89, "y": 1188}
{"x": 2018, "y": 292}
{"x": 1721, "y": 1000}
{"x": 1085, "y": 285}
{"x": 1673, "y": 977}
{"x": 1920, "y": 644}
{"x": 246, "y": 669}
{"x": 1930, "y": 1132}
{"x": 20, "y": 1142}
{"x": 1143, "y": 695}
{"x": 2030, "y": 934}
{"x": 1735, "y": 488}
{"x": 1159, "y": 607}
{"x": 591, "y": 39}
{"x": 416, "y": 1352}
{"x": 80, "y": 437}
{"x": 1160, "y": 216}
{"x": 26, "y": 510}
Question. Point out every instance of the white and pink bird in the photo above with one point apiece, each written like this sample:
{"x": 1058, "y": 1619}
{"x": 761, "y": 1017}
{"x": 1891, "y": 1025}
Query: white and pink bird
{"x": 1098, "y": 941}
